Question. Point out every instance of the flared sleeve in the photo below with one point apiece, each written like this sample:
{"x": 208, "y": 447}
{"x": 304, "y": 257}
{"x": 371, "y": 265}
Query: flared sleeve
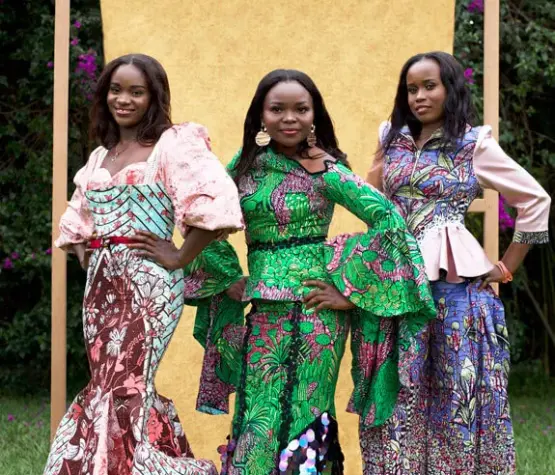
{"x": 382, "y": 272}
{"x": 496, "y": 170}
{"x": 202, "y": 193}
{"x": 219, "y": 323}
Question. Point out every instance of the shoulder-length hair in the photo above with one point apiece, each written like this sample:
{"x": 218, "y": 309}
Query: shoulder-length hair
{"x": 325, "y": 132}
{"x": 157, "y": 119}
{"x": 458, "y": 109}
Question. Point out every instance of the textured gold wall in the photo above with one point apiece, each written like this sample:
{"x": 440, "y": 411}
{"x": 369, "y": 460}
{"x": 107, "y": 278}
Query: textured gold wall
{"x": 215, "y": 52}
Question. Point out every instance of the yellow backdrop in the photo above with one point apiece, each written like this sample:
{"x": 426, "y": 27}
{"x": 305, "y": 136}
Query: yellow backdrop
{"x": 215, "y": 52}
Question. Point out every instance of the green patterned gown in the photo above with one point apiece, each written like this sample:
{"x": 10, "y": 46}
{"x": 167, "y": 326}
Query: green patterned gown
{"x": 283, "y": 358}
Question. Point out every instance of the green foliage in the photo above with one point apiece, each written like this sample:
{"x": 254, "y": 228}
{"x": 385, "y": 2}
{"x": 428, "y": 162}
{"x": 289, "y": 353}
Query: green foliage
{"x": 527, "y": 124}
{"x": 26, "y": 81}
{"x": 26, "y": 89}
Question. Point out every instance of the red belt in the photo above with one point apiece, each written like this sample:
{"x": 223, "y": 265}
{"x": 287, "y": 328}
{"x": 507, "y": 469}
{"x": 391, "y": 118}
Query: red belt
{"x": 109, "y": 241}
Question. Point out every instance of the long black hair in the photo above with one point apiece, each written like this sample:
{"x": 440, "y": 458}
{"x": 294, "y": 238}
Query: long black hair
{"x": 458, "y": 109}
{"x": 157, "y": 119}
{"x": 325, "y": 132}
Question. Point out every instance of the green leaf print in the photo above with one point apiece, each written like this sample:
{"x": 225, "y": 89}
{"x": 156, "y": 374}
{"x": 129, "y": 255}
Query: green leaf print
{"x": 425, "y": 211}
{"x": 445, "y": 162}
{"x": 257, "y": 418}
{"x": 408, "y": 191}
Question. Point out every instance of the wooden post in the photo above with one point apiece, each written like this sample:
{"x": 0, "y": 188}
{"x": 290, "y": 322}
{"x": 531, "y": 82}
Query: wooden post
{"x": 59, "y": 202}
{"x": 489, "y": 205}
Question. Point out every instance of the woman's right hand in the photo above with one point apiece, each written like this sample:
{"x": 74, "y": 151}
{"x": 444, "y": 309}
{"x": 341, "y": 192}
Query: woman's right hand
{"x": 236, "y": 290}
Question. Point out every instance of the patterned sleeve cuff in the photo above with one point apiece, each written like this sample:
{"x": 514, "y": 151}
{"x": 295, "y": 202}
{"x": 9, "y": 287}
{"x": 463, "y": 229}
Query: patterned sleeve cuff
{"x": 531, "y": 237}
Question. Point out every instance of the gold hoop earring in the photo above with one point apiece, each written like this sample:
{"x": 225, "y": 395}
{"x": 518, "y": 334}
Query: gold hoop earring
{"x": 262, "y": 137}
{"x": 311, "y": 139}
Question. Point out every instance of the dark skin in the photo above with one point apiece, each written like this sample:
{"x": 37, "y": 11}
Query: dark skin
{"x": 288, "y": 115}
{"x": 426, "y": 98}
{"x": 128, "y": 100}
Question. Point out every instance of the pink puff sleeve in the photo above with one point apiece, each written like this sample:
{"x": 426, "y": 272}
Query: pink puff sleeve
{"x": 76, "y": 224}
{"x": 203, "y": 194}
{"x": 496, "y": 170}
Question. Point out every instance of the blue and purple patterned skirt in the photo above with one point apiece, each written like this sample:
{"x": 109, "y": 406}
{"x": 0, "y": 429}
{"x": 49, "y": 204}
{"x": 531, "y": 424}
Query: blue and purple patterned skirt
{"x": 453, "y": 418}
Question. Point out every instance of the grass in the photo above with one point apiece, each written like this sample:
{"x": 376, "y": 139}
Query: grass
{"x": 24, "y": 431}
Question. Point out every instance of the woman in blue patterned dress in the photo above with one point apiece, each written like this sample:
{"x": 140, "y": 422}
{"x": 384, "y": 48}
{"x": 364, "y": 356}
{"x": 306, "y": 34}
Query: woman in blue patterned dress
{"x": 452, "y": 417}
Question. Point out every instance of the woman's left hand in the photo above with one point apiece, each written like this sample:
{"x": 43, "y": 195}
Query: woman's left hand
{"x": 494, "y": 275}
{"x": 326, "y": 296}
{"x": 156, "y": 249}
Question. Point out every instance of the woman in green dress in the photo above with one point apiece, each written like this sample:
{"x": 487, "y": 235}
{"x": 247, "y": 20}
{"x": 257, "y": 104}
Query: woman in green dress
{"x": 306, "y": 291}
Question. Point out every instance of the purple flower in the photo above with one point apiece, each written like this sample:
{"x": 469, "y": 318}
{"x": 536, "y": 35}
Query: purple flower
{"x": 8, "y": 264}
{"x": 87, "y": 65}
{"x": 11, "y": 418}
{"x": 476, "y": 6}
{"x": 15, "y": 256}
{"x": 33, "y": 255}
{"x": 48, "y": 252}
{"x": 77, "y": 24}
{"x": 74, "y": 41}
{"x": 506, "y": 221}
{"x": 469, "y": 75}
{"x": 50, "y": 64}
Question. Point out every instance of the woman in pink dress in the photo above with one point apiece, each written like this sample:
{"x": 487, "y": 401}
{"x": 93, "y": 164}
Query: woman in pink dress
{"x": 146, "y": 178}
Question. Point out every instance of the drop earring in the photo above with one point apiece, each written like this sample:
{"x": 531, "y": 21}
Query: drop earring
{"x": 262, "y": 137}
{"x": 311, "y": 139}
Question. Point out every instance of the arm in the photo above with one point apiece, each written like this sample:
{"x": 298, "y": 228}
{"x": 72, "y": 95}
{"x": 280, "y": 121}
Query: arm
{"x": 166, "y": 254}
{"x": 380, "y": 271}
{"x": 76, "y": 224}
{"x": 375, "y": 174}
{"x": 496, "y": 170}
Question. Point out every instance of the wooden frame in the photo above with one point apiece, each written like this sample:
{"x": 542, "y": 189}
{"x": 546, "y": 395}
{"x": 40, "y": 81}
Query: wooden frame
{"x": 487, "y": 205}
{"x": 59, "y": 202}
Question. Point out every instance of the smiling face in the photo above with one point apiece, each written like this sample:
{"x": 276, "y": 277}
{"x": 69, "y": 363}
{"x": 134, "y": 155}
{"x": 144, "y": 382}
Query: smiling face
{"x": 288, "y": 115}
{"x": 128, "y": 97}
{"x": 426, "y": 92}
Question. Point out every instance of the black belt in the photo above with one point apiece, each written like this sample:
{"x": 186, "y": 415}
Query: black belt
{"x": 286, "y": 243}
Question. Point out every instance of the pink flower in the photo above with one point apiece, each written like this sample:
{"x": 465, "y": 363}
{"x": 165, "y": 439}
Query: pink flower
{"x": 95, "y": 350}
{"x": 154, "y": 426}
{"x": 15, "y": 256}
{"x": 469, "y": 75}
{"x": 11, "y": 418}
{"x": 48, "y": 252}
{"x": 50, "y": 64}
{"x": 74, "y": 41}
{"x": 87, "y": 65}
{"x": 134, "y": 384}
{"x": 77, "y": 24}
{"x": 476, "y": 6}
{"x": 8, "y": 264}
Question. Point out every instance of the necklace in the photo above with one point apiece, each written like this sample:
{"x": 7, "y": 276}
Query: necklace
{"x": 117, "y": 153}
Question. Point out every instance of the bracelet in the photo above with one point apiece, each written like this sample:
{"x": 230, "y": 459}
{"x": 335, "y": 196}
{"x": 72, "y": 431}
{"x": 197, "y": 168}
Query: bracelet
{"x": 507, "y": 276}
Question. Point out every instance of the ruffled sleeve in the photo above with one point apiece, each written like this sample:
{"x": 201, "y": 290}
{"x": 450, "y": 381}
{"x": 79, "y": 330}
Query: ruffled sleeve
{"x": 496, "y": 170}
{"x": 203, "y": 194}
{"x": 382, "y": 272}
{"x": 76, "y": 224}
{"x": 219, "y": 323}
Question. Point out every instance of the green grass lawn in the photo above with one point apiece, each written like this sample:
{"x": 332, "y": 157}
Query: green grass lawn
{"x": 24, "y": 431}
